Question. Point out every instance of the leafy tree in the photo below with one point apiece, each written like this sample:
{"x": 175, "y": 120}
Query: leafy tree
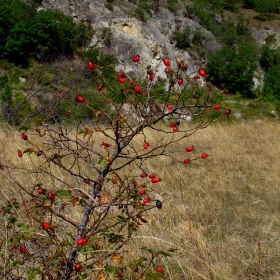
{"x": 270, "y": 53}
{"x": 270, "y": 6}
{"x": 249, "y": 4}
{"x": 270, "y": 62}
{"x": 271, "y": 87}
{"x": 233, "y": 68}
{"x": 26, "y": 32}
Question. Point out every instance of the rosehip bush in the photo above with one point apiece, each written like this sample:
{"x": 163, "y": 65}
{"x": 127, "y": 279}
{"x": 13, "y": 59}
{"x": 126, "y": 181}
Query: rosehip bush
{"x": 100, "y": 171}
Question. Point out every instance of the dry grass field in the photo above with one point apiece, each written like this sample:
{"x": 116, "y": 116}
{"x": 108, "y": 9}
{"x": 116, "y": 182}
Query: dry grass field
{"x": 221, "y": 214}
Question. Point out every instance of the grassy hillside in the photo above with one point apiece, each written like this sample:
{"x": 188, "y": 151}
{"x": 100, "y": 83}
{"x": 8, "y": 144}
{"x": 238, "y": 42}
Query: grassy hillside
{"x": 221, "y": 215}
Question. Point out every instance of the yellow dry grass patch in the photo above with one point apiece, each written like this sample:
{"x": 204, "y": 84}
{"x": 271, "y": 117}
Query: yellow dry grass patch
{"x": 221, "y": 214}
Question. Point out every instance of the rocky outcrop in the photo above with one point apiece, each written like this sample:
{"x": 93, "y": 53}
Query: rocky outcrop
{"x": 119, "y": 33}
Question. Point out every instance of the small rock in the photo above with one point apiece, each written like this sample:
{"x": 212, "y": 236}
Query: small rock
{"x": 22, "y": 80}
{"x": 237, "y": 115}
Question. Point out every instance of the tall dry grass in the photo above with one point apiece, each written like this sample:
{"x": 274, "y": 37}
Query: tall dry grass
{"x": 221, "y": 214}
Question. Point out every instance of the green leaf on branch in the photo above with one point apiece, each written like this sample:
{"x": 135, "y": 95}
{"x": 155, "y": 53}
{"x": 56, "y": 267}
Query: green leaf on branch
{"x": 111, "y": 269}
{"x": 63, "y": 193}
{"x": 165, "y": 254}
{"x": 29, "y": 150}
{"x": 15, "y": 263}
{"x": 147, "y": 249}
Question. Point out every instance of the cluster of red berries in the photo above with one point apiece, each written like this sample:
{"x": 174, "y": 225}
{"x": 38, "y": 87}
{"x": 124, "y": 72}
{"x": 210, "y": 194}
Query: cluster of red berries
{"x": 191, "y": 149}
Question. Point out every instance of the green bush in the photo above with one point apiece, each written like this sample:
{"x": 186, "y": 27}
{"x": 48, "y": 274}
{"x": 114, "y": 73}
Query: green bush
{"x": 27, "y": 33}
{"x": 249, "y": 4}
{"x": 143, "y": 11}
{"x": 233, "y": 68}
{"x": 270, "y": 53}
{"x": 267, "y": 6}
{"x": 183, "y": 39}
{"x": 271, "y": 88}
{"x": 172, "y": 5}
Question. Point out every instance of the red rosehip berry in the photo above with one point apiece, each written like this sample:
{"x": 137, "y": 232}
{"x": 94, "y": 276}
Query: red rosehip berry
{"x": 146, "y": 199}
{"x": 204, "y": 155}
{"x": 180, "y": 64}
{"x": 146, "y": 145}
{"x": 131, "y": 82}
{"x": 151, "y": 77}
{"x": 152, "y": 176}
{"x": 172, "y": 125}
{"x": 137, "y": 89}
{"x": 105, "y": 144}
{"x": 87, "y": 181}
{"x": 121, "y": 74}
{"x": 155, "y": 180}
{"x": 202, "y": 72}
{"x": 166, "y": 61}
{"x": 81, "y": 241}
{"x": 91, "y": 65}
{"x": 20, "y": 154}
{"x": 166, "y": 70}
{"x": 143, "y": 175}
{"x": 142, "y": 192}
{"x": 45, "y": 224}
{"x": 99, "y": 87}
{"x": 187, "y": 160}
{"x": 159, "y": 269}
{"x": 121, "y": 79}
{"x": 217, "y": 107}
{"x": 180, "y": 81}
{"x": 80, "y": 98}
{"x": 169, "y": 106}
{"x": 51, "y": 195}
{"x": 175, "y": 128}
{"x": 228, "y": 112}
{"x": 189, "y": 149}
{"x": 135, "y": 58}
{"x": 115, "y": 181}
{"x": 24, "y": 136}
{"x": 40, "y": 191}
{"x": 23, "y": 250}
{"x": 77, "y": 267}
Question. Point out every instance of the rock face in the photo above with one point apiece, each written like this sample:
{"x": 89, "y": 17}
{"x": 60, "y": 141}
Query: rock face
{"x": 118, "y": 33}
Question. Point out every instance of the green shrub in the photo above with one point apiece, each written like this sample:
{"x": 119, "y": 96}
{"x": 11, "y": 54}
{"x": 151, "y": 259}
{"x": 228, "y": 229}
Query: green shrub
{"x": 46, "y": 79}
{"x": 267, "y": 6}
{"x": 143, "y": 11}
{"x": 27, "y": 33}
{"x": 106, "y": 35}
{"x": 140, "y": 14}
{"x": 233, "y": 68}
{"x": 183, "y": 39}
{"x": 270, "y": 53}
{"x": 172, "y": 5}
{"x": 271, "y": 88}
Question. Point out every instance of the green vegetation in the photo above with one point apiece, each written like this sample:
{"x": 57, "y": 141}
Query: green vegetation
{"x": 233, "y": 68}
{"x": 26, "y": 33}
{"x": 143, "y": 11}
{"x": 267, "y": 6}
{"x": 172, "y": 5}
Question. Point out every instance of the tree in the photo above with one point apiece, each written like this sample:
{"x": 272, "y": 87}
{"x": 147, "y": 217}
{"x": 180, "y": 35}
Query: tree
{"x": 101, "y": 169}
{"x": 233, "y": 68}
{"x": 27, "y": 33}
